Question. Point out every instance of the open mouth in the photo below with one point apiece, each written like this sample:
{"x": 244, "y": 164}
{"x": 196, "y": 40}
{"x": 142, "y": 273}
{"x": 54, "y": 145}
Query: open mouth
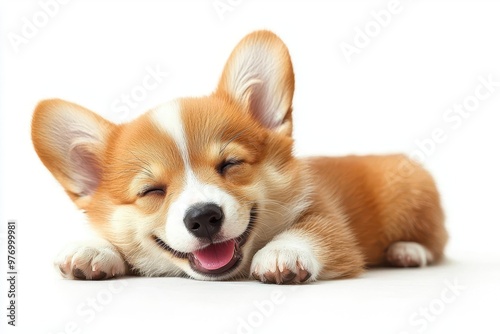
{"x": 218, "y": 258}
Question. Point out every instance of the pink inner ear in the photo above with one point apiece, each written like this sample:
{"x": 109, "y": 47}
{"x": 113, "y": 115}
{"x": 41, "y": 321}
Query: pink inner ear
{"x": 258, "y": 106}
{"x": 85, "y": 169}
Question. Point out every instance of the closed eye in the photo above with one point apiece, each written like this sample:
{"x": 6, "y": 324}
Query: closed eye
{"x": 153, "y": 191}
{"x": 224, "y": 166}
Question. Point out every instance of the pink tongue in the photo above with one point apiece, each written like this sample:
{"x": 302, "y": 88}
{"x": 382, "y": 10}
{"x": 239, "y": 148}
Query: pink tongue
{"x": 215, "y": 256}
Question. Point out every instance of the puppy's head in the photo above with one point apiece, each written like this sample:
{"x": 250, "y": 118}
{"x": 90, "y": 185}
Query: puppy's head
{"x": 193, "y": 186}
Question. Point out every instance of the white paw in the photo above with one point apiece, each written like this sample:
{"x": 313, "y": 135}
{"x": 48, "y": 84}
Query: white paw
{"x": 408, "y": 254}
{"x": 93, "y": 260}
{"x": 288, "y": 258}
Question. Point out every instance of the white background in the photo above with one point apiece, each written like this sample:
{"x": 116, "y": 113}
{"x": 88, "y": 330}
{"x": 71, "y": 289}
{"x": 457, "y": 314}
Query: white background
{"x": 391, "y": 95}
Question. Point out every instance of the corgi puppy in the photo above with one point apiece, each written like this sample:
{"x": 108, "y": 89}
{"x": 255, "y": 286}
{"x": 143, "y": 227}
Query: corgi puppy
{"x": 208, "y": 187}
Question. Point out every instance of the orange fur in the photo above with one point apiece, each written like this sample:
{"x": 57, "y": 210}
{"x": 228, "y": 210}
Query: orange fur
{"x": 350, "y": 209}
{"x": 380, "y": 208}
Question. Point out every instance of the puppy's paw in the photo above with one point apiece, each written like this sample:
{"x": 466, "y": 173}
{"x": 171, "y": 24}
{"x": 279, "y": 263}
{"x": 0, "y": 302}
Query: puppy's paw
{"x": 94, "y": 261}
{"x": 408, "y": 254}
{"x": 288, "y": 259}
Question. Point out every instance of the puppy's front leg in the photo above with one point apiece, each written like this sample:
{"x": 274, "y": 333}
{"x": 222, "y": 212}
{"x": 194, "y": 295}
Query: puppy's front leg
{"x": 316, "y": 247}
{"x": 94, "y": 259}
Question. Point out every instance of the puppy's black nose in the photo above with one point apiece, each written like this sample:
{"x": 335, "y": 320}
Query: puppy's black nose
{"x": 204, "y": 220}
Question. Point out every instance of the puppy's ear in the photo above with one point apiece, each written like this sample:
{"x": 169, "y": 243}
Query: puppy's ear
{"x": 71, "y": 141}
{"x": 259, "y": 75}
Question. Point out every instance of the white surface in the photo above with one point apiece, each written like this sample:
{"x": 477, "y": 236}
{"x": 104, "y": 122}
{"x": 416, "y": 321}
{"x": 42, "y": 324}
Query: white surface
{"x": 381, "y": 301}
{"x": 393, "y": 94}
